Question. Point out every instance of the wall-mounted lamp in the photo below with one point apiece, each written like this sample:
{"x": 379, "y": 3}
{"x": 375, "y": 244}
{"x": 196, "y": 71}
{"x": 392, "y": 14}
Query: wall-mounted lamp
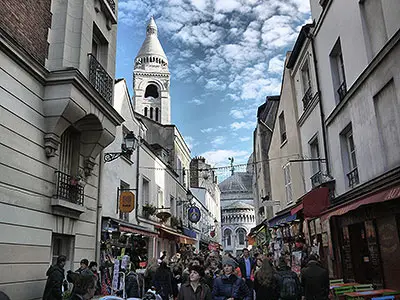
{"x": 128, "y": 147}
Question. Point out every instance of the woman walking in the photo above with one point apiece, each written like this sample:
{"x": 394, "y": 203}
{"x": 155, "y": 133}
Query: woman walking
{"x": 266, "y": 283}
{"x": 164, "y": 283}
{"x": 195, "y": 289}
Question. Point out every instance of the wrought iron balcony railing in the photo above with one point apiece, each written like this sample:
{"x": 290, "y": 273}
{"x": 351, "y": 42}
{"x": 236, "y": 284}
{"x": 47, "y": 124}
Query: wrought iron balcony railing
{"x": 342, "y": 90}
{"x": 307, "y": 98}
{"x": 353, "y": 177}
{"x": 112, "y": 5}
{"x": 68, "y": 188}
{"x": 316, "y": 179}
{"x": 100, "y": 80}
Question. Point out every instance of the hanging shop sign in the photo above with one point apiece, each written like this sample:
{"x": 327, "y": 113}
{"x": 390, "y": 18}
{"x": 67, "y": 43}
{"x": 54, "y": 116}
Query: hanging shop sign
{"x": 194, "y": 214}
{"x": 126, "y": 202}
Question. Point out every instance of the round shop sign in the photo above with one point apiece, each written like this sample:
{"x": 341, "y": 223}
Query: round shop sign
{"x": 194, "y": 214}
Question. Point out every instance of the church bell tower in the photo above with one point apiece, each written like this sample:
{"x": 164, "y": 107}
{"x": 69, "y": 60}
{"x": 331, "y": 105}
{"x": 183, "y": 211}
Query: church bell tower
{"x": 151, "y": 79}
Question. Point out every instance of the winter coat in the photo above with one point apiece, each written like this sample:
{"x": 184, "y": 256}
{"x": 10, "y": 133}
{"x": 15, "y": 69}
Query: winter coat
{"x": 267, "y": 292}
{"x": 202, "y": 292}
{"x": 242, "y": 266}
{"x": 132, "y": 287}
{"x": 230, "y": 287}
{"x": 286, "y": 272}
{"x": 53, "y": 288}
{"x": 164, "y": 283}
{"x": 315, "y": 281}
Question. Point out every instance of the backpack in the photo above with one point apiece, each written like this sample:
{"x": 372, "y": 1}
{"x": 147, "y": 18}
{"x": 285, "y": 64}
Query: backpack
{"x": 289, "y": 286}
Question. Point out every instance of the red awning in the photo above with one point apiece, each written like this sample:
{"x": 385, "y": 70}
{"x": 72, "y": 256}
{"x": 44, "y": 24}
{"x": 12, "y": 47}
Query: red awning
{"x": 386, "y": 195}
{"x": 313, "y": 203}
{"x": 134, "y": 230}
{"x": 181, "y": 238}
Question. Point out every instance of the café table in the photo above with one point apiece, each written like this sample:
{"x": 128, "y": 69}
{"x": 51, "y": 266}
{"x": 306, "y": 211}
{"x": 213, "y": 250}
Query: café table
{"x": 336, "y": 285}
{"x": 368, "y": 294}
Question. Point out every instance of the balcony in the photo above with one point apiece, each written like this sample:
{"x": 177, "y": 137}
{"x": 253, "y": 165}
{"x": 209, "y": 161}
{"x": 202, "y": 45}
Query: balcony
{"x": 342, "y": 90}
{"x": 100, "y": 80}
{"x": 306, "y": 98}
{"x": 353, "y": 177}
{"x": 112, "y": 5}
{"x": 68, "y": 199}
{"x": 316, "y": 179}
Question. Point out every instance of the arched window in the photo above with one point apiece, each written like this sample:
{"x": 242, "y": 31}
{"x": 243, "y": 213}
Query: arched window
{"x": 241, "y": 233}
{"x": 151, "y": 91}
{"x": 157, "y": 114}
{"x": 228, "y": 237}
{"x": 151, "y": 113}
{"x": 145, "y": 111}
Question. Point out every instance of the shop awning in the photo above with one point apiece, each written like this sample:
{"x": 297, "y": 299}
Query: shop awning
{"x": 313, "y": 203}
{"x": 181, "y": 238}
{"x": 386, "y": 195}
{"x": 256, "y": 229}
{"x": 123, "y": 226}
{"x": 282, "y": 219}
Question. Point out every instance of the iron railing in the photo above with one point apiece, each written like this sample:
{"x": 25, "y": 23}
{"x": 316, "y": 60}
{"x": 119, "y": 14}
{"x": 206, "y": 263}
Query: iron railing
{"x": 353, "y": 178}
{"x": 342, "y": 90}
{"x": 100, "y": 80}
{"x": 316, "y": 179}
{"x": 307, "y": 98}
{"x": 112, "y": 5}
{"x": 68, "y": 188}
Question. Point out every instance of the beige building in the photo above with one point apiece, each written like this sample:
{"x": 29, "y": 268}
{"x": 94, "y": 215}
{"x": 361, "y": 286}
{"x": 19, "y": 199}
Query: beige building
{"x": 57, "y": 77}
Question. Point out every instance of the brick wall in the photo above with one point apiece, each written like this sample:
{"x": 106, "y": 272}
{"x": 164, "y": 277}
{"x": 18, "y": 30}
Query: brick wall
{"x": 27, "y": 22}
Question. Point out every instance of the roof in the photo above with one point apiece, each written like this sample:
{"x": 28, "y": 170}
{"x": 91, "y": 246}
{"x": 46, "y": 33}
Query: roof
{"x": 299, "y": 43}
{"x": 151, "y": 45}
{"x": 239, "y": 205}
{"x": 238, "y": 182}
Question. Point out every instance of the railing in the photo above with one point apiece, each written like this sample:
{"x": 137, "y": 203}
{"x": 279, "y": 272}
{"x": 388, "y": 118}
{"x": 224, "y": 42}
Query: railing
{"x": 342, "y": 90}
{"x": 68, "y": 188}
{"x": 100, "y": 80}
{"x": 112, "y": 5}
{"x": 353, "y": 177}
{"x": 316, "y": 179}
{"x": 307, "y": 98}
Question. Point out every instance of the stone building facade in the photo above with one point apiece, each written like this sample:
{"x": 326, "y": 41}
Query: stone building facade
{"x": 57, "y": 76}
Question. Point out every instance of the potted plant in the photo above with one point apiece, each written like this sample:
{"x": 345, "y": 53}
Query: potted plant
{"x": 149, "y": 210}
{"x": 174, "y": 222}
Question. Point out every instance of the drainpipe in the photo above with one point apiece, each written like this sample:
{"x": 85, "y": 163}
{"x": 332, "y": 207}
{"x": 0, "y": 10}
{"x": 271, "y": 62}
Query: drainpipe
{"x": 98, "y": 211}
{"x": 324, "y": 132}
{"x": 137, "y": 179}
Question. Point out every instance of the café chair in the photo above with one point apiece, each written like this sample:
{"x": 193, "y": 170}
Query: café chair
{"x": 363, "y": 287}
{"x": 336, "y": 281}
{"x": 340, "y": 291}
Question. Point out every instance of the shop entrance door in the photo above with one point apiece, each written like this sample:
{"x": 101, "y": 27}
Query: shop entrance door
{"x": 359, "y": 252}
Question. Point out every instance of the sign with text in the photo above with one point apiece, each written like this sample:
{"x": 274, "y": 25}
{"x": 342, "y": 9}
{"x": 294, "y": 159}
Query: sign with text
{"x": 126, "y": 202}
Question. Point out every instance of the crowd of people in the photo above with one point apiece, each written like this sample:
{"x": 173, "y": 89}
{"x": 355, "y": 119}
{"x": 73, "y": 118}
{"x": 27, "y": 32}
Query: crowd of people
{"x": 204, "y": 276}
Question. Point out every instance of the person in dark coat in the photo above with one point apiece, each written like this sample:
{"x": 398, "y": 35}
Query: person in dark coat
{"x": 266, "y": 283}
{"x": 288, "y": 281}
{"x": 132, "y": 286}
{"x": 195, "y": 289}
{"x": 93, "y": 268}
{"x": 246, "y": 264}
{"x": 315, "y": 280}
{"x": 84, "y": 286}
{"x": 164, "y": 283}
{"x": 55, "y": 278}
{"x": 229, "y": 286}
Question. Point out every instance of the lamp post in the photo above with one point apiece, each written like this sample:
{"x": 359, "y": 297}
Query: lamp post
{"x": 128, "y": 147}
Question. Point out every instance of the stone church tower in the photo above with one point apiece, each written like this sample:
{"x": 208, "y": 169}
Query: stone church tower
{"x": 151, "y": 79}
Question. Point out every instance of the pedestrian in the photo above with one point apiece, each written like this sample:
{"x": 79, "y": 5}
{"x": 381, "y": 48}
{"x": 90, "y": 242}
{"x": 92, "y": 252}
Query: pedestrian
{"x": 163, "y": 282}
{"x": 84, "y": 264}
{"x": 84, "y": 286}
{"x": 228, "y": 286}
{"x": 315, "y": 280}
{"x": 132, "y": 285}
{"x": 196, "y": 261}
{"x": 257, "y": 266}
{"x": 195, "y": 289}
{"x": 55, "y": 278}
{"x": 151, "y": 269}
{"x": 93, "y": 269}
{"x": 246, "y": 265}
{"x": 266, "y": 282}
{"x": 289, "y": 284}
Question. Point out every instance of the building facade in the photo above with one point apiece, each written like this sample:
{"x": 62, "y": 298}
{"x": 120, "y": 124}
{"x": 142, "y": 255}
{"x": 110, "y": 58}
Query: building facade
{"x": 57, "y": 77}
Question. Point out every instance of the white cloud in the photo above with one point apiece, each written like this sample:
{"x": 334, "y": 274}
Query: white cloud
{"x": 243, "y": 125}
{"x": 276, "y": 64}
{"x": 241, "y": 113}
{"x": 190, "y": 142}
{"x": 245, "y": 139}
{"x": 215, "y": 84}
{"x": 218, "y": 141}
{"x": 196, "y": 101}
{"x": 227, "y": 5}
{"x": 222, "y": 155}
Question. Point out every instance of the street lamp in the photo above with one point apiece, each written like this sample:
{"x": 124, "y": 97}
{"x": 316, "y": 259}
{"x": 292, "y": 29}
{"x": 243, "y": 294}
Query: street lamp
{"x": 128, "y": 147}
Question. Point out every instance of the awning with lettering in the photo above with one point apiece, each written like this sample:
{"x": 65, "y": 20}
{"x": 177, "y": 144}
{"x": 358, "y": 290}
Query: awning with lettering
{"x": 282, "y": 219}
{"x": 313, "y": 203}
{"x": 181, "y": 238}
{"x": 386, "y": 195}
{"x": 112, "y": 224}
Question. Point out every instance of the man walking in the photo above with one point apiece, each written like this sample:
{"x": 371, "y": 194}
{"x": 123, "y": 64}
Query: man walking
{"x": 315, "y": 280}
{"x": 246, "y": 264}
{"x": 55, "y": 278}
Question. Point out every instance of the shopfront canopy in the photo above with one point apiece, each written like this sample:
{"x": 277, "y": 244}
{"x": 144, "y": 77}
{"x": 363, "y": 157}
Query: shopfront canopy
{"x": 112, "y": 224}
{"x": 282, "y": 219}
{"x": 313, "y": 203}
{"x": 181, "y": 238}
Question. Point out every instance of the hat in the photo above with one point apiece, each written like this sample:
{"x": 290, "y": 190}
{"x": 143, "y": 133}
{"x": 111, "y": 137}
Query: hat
{"x": 229, "y": 261}
{"x": 198, "y": 269}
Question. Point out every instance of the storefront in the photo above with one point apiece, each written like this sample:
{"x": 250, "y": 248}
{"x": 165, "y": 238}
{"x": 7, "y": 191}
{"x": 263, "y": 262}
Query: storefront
{"x": 173, "y": 241}
{"x": 365, "y": 234}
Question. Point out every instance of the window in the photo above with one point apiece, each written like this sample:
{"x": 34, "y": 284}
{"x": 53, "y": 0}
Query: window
{"x": 123, "y": 216}
{"x": 228, "y": 237}
{"x": 288, "y": 184}
{"x": 306, "y": 82}
{"x": 145, "y": 191}
{"x": 387, "y": 109}
{"x": 151, "y": 91}
{"x": 179, "y": 169}
{"x": 160, "y": 197}
{"x": 145, "y": 111}
{"x": 157, "y": 110}
{"x": 349, "y": 156}
{"x": 151, "y": 113}
{"x": 69, "y": 151}
{"x": 338, "y": 72}
{"x": 172, "y": 205}
{"x": 241, "y": 233}
{"x": 99, "y": 46}
{"x": 314, "y": 151}
{"x": 282, "y": 127}
{"x": 62, "y": 244}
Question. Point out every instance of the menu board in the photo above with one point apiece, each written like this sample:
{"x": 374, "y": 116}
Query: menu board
{"x": 373, "y": 249}
{"x": 346, "y": 255}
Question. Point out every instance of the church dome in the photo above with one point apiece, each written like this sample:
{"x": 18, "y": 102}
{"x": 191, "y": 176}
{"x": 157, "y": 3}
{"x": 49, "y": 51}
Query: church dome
{"x": 151, "y": 45}
{"x": 238, "y": 182}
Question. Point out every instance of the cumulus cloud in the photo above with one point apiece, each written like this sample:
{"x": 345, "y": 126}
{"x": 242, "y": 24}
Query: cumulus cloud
{"x": 218, "y": 141}
{"x": 245, "y": 138}
{"x": 243, "y": 125}
{"x": 190, "y": 142}
{"x": 276, "y": 64}
{"x": 241, "y": 113}
{"x": 221, "y": 156}
{"x": 196, "y": 101}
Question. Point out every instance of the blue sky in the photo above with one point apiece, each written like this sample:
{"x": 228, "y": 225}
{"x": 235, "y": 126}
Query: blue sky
{"x": 225, "y": 57}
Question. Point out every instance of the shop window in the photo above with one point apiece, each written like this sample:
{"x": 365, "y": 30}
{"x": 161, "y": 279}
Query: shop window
{"x": 62, "y": 244}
